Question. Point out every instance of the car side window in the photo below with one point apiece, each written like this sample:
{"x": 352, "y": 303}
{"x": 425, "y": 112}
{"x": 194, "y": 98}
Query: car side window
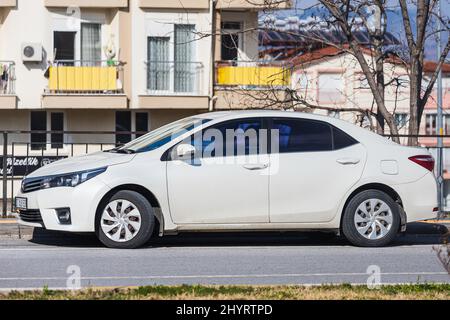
{"x": 230, "y": 138}
{"x": 342, "y": 140}
{"x": 302, "y": 135}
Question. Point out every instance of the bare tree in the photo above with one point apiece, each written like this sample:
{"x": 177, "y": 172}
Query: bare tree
{"x": 348, "y": 17}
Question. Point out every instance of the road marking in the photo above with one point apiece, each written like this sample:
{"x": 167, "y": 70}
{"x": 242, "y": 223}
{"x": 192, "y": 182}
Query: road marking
{"x": 291, "y": 275}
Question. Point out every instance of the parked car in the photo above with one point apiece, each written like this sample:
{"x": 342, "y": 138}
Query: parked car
{"x": 237, "y": 171}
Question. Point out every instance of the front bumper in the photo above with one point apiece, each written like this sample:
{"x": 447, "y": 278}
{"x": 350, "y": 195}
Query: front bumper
{"x": 81, "y": 200}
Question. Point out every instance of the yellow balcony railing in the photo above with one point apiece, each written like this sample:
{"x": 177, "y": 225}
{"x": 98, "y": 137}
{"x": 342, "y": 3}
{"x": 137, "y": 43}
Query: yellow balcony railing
{"x": 85, "y": 77}
{"x": 252, "y": 74}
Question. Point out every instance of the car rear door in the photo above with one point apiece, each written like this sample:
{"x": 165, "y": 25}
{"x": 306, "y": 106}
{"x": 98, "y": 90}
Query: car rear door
{"x": 312, "y": 170}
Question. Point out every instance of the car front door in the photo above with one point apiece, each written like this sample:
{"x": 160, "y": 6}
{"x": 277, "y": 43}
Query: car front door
{"x": 312, "y": 170}
{"x": 227, "y": 181}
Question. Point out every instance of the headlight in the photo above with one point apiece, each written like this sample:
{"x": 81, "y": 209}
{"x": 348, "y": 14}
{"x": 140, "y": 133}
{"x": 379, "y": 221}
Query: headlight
{"x": 70, "y": 179}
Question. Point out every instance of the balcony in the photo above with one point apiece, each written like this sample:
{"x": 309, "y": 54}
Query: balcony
{"x": 243, "y": 84}
{"x": 8, "y": 3}
{"x": 253, "y": 4}
{"x": 85, "y": 84}
{"x": 174, "y": 85}
{"x": 86, "y": 3}
{"x": 252, "y": 74}
{"x": 8, "y": 98}
{"x": 174, "y": 4}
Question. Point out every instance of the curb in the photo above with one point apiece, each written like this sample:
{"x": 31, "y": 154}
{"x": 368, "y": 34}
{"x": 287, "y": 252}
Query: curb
{"x": 9, "y": 228}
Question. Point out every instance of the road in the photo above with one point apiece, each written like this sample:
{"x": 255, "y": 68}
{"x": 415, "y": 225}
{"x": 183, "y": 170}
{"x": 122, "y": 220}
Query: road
{"x": 289, "y": 258}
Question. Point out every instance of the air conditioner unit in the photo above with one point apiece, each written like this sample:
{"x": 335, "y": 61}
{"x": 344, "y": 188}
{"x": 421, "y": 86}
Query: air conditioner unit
{"x": 32, "y": 52}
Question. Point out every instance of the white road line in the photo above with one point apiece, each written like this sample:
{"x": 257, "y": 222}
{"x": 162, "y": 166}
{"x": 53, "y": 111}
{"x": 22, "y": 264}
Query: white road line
{"x": 225, "y": 276}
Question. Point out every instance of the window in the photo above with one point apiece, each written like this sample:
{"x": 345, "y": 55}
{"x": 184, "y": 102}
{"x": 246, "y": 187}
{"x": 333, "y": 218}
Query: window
{"x": 231, "y": 138}
{"x": 91, "y": 43}
{"x": 401, "y": 119}
{"x": 141, "y": 123}
{"x": 431, "y": 124}
{"x": 342, "y": 140}
{"x": 231, "y": 40}
{"x": 123, "y": 124}
{"x": 57, "y": 124}
{"x": 334, "y": 114}
{"x": 64, "y": 45}
{"x": 361, "y": 81}
{"x": 158, "y": 71}
{"x": 331, "y": 88}
{"x": 300, "y": 135}
{"x": 38, "y": 123}
{"x": 184, "y": 68}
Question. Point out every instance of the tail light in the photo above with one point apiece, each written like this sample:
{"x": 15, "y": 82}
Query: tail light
{"x": 425, "y": 161}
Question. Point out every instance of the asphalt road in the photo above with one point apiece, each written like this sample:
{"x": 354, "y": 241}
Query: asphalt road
{"x": 288, "y": 258}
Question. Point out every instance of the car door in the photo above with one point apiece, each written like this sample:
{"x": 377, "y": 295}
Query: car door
{"x": 313, "y": 165}
{"x": 220, "y": 186}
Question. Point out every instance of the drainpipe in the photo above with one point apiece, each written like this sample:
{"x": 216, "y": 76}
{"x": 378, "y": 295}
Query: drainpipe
{"x": 212, "y": 76}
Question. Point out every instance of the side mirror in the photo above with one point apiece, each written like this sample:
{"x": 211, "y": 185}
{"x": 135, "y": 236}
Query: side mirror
{"x": 184, "y": 151}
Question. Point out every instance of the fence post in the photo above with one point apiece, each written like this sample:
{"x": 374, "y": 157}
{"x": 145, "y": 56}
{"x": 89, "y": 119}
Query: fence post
{"x": 5, "y": 174}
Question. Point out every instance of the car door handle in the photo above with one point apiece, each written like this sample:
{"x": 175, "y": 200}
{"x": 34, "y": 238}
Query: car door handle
{"x": 253, "y": 167}
{"x": 346, "y": 161}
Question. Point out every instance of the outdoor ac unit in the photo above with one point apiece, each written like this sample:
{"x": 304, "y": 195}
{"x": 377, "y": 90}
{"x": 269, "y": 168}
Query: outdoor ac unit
{"x": 32, "y": 52}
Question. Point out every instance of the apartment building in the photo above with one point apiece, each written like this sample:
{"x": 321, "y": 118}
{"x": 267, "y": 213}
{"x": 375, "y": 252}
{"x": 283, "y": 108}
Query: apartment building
{"x": 120, "y": 65}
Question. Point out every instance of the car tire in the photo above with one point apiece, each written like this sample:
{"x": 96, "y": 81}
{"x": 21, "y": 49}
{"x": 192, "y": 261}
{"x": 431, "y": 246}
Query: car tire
{"x": 125, "y": 221}
{"x": 371, "y": 219}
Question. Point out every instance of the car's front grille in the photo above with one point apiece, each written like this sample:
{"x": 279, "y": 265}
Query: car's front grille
{"x": 30, "y": 185}
{"x": 32, "y": 216}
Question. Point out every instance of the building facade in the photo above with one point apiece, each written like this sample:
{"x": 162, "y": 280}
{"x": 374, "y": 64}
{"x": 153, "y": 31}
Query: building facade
{"x": 120, "y": 65}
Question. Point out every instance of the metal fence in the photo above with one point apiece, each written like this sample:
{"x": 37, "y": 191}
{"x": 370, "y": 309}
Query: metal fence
{"x": 20, "y": 157}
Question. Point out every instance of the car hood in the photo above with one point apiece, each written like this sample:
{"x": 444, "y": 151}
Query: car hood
{"x": 82, "y": 163}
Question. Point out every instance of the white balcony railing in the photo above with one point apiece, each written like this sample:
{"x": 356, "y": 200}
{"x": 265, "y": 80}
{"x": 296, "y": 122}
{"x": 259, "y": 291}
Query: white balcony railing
{"x": 174, "y": 78}
{"x": 7, "y": 78}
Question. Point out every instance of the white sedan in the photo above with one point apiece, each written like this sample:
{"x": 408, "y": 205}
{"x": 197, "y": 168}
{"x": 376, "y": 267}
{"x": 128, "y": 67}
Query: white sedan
{"x": 237, "y": 171}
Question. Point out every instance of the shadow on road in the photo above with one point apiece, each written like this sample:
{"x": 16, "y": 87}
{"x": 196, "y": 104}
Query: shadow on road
{"x": 417, "y": 234}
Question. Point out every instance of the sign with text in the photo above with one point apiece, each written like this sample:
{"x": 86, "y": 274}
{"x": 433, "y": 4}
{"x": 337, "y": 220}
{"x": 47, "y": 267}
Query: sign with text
{"x": 23, "y": 165}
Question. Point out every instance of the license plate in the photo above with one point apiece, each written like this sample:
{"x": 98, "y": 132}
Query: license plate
{"x": 21, "y": 203}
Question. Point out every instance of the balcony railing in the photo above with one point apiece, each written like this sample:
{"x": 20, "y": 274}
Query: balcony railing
{"x": 7, "y": 78}
{"x": 85, "y": 77}
{"x": 250, "y": 74}
{"x": 175, "y": 78}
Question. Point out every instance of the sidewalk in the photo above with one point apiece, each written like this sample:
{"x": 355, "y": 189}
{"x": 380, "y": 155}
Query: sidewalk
{"x": 10, "y": 228}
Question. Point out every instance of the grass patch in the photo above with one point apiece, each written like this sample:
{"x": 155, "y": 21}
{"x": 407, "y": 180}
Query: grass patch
{"x": 333, "y": 292}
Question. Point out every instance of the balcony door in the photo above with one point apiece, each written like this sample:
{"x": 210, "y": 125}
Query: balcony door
{"x": 64, "y": 46}
{"x": 170, "y": 62}
{"x": 184, "y": 52}
{"x": 231, "y": 40}
{"x": 159, "y": 65}
{"x": 91, "y": 44}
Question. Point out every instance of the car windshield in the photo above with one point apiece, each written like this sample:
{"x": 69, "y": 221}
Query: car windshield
{"x": 161, "y": 136}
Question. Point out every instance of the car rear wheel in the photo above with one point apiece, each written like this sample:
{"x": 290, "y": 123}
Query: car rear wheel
{"x": 126, "y": 221}
{"x": 371, "y": 219}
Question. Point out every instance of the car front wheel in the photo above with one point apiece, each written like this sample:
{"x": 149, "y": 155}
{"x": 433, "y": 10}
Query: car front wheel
{"x": 126, "y": 221}
{"x": 371, "y": 219}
